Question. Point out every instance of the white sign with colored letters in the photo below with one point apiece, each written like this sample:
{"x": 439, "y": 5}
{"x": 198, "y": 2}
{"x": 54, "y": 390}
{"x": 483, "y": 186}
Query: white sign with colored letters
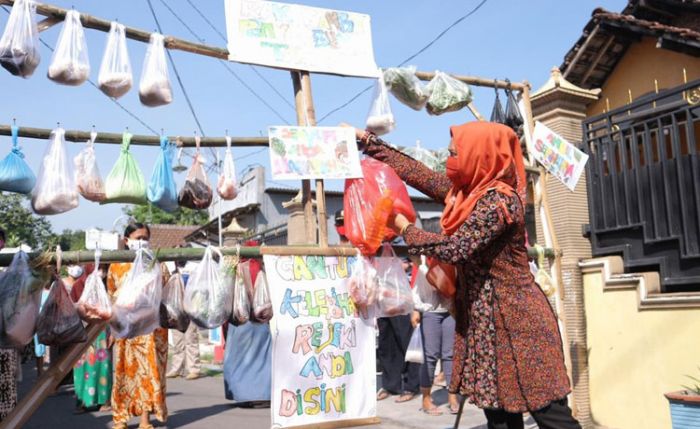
{"x": 564, "y": 160}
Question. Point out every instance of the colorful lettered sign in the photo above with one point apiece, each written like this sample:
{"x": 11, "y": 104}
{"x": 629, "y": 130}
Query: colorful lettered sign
{"x": 564, "y": 160}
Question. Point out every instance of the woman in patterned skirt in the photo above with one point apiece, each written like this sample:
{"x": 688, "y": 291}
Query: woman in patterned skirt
{"x": 508, "y": 357}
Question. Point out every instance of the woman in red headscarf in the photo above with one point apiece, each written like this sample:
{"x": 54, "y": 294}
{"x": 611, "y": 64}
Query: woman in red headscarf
{"x": 508, "y": 356}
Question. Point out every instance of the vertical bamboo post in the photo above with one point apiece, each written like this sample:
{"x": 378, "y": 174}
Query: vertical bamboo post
{"x": 47, "y": 383}
{"x": 305, "y": 184}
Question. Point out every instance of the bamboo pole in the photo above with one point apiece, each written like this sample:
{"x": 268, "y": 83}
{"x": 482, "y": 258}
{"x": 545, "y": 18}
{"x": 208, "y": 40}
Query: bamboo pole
{"x": 47, "y": 383}
{"x": 306, "y": 201}
{"x": 136, "y": 140}
{"x": 476, "y": 81}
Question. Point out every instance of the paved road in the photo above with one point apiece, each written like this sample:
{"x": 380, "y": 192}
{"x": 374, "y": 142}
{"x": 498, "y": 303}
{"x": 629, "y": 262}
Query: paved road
{"x": 200, "y": 404}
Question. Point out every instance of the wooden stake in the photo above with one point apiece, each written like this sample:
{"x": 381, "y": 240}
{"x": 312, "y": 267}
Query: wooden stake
{"x": 305, "y": 184}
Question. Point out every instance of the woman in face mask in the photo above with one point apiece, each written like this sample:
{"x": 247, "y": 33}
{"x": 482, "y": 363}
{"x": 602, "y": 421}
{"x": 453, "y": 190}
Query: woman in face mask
{"x": 140, "y": 362}
{"x": 508, "y": 357}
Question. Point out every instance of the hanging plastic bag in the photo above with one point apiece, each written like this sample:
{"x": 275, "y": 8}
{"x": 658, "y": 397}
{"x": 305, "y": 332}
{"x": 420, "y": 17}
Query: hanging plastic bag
{"x": 241, "y": 297}
{"x": 115, "y": 78}
{"x": 497, "y": 114}
{"x": 226, "y": 187}
{"x": 425, "y": 156}
{"x": 196, "y": 192}
{"x": 136, "y": 308}
{"x": 370, "y": 201}
{"x": 425, "y": 296}
{"x": 15, "y": 174}
{"x": 19, "y": 45}
{"x": 20, "y": 296}
{"x": 87, "y": 174}
{"x": 70, "y": 64}
{"x": 362, "y": 284}
{"x": 262, "y": 306}
{"x": 172, "y": 311}
{"x": 208, "y": 297}
{"x": 542, "y": 277}
{"x": 447, "y": 94}
{"x": 162, "y": 191}
{"x": 394, "y": 296}
{"x": 125, "y": 183}
{"x": 513, "y": 118}
{"x": 414, "y": 352}
{"x": 380, "y": 120}
{"x": 406, "y": 87}
{"x": 55, "y": 191}
{"x": 59, "y": 323}
{"x": 154, "y": 88}
{"x": 94, "y": 304}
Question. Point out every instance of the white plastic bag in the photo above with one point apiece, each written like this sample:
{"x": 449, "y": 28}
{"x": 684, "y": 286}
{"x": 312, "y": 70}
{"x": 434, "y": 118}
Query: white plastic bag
{"x": 262, "y": 306}
{"x": 406, "y": 87}
{"x": 115, "y": 77}
{"x": 94, "y": 304}
{"x": 226, "y": 187}
{"x": 20, "y": 295}
{"x": 87, "y": 175}
{"x": 208, "y": 297}
{"x": 55, "y": 190}
{"x": 136, "y": 308}
{"x": 362, "y": 284}
{"x": 425, "y": 297}
{"x": 70, "y": 64}
{"x": 154, "y": 88}
{"x": 447, "y": 94}
{"x": 414, "y": 352}
{"x": 380, "y": 119}
{"x": 19, "y": 45}
{"x": 172, "y": 312}
{"x": 394, "y": 296}
{"x": 241, "y": 298}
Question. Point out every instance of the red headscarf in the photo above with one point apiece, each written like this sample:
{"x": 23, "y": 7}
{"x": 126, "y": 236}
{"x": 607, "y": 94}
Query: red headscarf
{"x": 488, "y": 157}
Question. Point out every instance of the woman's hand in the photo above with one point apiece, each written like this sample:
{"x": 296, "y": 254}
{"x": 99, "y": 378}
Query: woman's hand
{"x": 398, "y": 223}
{"x": 415, "y": 319}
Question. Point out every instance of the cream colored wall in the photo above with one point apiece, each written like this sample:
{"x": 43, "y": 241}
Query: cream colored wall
{"x": 636, "y": 356}
{"x": 643, "y": 62}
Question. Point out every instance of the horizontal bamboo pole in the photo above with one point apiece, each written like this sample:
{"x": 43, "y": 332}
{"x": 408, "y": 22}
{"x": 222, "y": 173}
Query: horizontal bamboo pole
{"x": 189, "y": 253}
{"x": 136, "y": 140}
{"x": 478, "y": 81}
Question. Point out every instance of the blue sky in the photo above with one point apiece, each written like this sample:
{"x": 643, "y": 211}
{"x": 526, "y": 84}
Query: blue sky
{"x": 507, "y": 38}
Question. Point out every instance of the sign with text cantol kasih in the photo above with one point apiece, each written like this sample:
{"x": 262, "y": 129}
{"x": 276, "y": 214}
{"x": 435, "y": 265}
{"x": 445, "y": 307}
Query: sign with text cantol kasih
{"x": 300, "y": 37}
{"x": 323, "y": 349}
{"x": 564, "y": 160}
{"x": 313, "y": 153}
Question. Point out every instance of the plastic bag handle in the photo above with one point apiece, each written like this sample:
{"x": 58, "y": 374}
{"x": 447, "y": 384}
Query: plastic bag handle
{"x": 14, "y": 129}
{"x": 164, "y": 142}
{"x": 228, "y": 143}
{"x": 93, "y": 137}
{"x": 388, "y": 251}
{"x": 126, "y": 141}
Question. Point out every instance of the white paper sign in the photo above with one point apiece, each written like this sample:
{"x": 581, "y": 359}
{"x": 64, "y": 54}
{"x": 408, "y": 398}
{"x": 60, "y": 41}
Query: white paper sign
{"x": 313, "y": 153}
{"x": 299, "y": 37}
{"x": 323, "y": 350}
{"x": 564, "y": 160}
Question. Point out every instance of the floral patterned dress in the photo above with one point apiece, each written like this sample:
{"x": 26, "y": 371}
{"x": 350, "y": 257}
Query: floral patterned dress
{"x": 139, "y": 366}
{"x": 92, "y": 374}
{"x": 508, "y": 351}
{"x": 8, "y": 380}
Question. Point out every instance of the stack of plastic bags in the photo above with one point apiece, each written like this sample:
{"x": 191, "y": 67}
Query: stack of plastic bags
{"x": 208, "y": 296}
{"x": 55, "y": 191}
{"x": 172, "y": 310}
{"x": 70, "y": 64}
{"x": 125, "y": 183}
{"x": 115, "y": 78}
{"x": 87, "y": 174}
{"x": 59, "y": 322}
{"x": 20, "y": 295}
{"x": 15, "y": 174}
{"x": 162, "y": 191}
{"x": 19, "y": 45}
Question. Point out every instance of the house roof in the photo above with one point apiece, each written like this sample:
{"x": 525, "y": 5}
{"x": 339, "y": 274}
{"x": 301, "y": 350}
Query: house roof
{"x": 606, "y": 37}
{"x": 163, "y": 236}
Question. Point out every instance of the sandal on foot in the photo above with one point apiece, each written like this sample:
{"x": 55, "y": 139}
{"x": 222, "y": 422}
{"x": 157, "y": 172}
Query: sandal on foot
{"x": 453, "y": 410}
{"x": 148, "y": 426}
{"x": 405, "y": 397}
{"x": 382, "y": 394}
{"x": 431, "y": 411}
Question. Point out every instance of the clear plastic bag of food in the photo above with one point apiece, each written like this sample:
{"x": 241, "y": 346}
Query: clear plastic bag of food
{"x": 196, "y": 193}
{"x": 241, "y": 297}
{"x": 115, "y": 78}
{"x": 58, "y": 323}
{"x": 425, "y": 296}
{"x": 226, "y": 187}
{"x": 154, "y": 87}
{"x": 426, "y": 156}
{"x": 136, "y": 309}
{"x": 172, "y": 311}
{"x": 94, "y": 304}
{"x": 125, "y": 183}
{"x": 15, "y": 174}
{"x": 447, "y": 94}
{"x": 380, "y": 119}
{"x": 162, "y": 190}
{"x": 19, "y": 45}
{"x": 362, "y": 284}
{"x": 262, "y": 306}
{"x": 406, "y": 87}
{"x": 20, "y": 296}
{"x": 208, "y": 297}
{"x": 414, "y": 352}
{"x": 55, "y": 190}
{"x": 394, "y": 297}
{"x": 70, "y": 64}
{"x": 87, "y": 174}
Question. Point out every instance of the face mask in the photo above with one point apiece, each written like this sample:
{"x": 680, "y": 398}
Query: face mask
{"x": 137, "y": 244}
{"x": 452, "y": 170}
{"x": 75, "y": 271}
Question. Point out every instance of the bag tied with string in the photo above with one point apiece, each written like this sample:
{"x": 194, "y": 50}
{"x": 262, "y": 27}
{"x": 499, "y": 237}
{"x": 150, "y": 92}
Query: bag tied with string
{"x": 154, "y": 87}
{"x": 380, "y": 119}
{"x": 406, "y": 87}
{"x": 226, "y": 187}
{"x": 447, "y": 94}
{"x": 115, "y": 78}
{"x": 55, "y": 191}
{"x": 70, "y": 64}
{"x": 208, "y": 296}
{"x": 94, "y": 304}
{"x": 162, "y": 190}
{"x": 87, "y": 174}
{"x": 196, "y": 193}
{"x": 19, "y": 45}
{"x": 15, "y": 175}
{"x": 125, "y": 183}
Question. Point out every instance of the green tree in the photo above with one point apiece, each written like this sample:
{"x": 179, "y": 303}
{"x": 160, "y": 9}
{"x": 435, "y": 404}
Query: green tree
{"x": 153, "y": 215}
{"x": 71, "y": 240}
{"x": 21, "y": 225}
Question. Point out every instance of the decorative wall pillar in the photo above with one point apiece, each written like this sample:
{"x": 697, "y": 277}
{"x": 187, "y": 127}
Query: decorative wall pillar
{"x": 296, "y": 223}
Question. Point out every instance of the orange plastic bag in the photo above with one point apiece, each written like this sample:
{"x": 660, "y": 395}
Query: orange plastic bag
{"x": 369, "y": 203}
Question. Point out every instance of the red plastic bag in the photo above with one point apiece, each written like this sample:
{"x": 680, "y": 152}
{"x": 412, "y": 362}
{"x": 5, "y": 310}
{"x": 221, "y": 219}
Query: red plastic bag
{"x": 370, "y": 201}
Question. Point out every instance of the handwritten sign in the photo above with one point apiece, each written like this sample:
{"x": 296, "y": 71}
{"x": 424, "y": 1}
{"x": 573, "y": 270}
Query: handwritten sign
{"x": 564, "y": 160}
{"x": 299, "y": 37}
{"x": 323, "y": 349}
{"x": 313, "y": 153}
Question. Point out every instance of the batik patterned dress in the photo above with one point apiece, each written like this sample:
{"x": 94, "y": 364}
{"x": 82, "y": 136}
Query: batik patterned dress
{"x": 8, "y": 380}
{"x": 508, "y": 351}
{"x": 139, "y": 366}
